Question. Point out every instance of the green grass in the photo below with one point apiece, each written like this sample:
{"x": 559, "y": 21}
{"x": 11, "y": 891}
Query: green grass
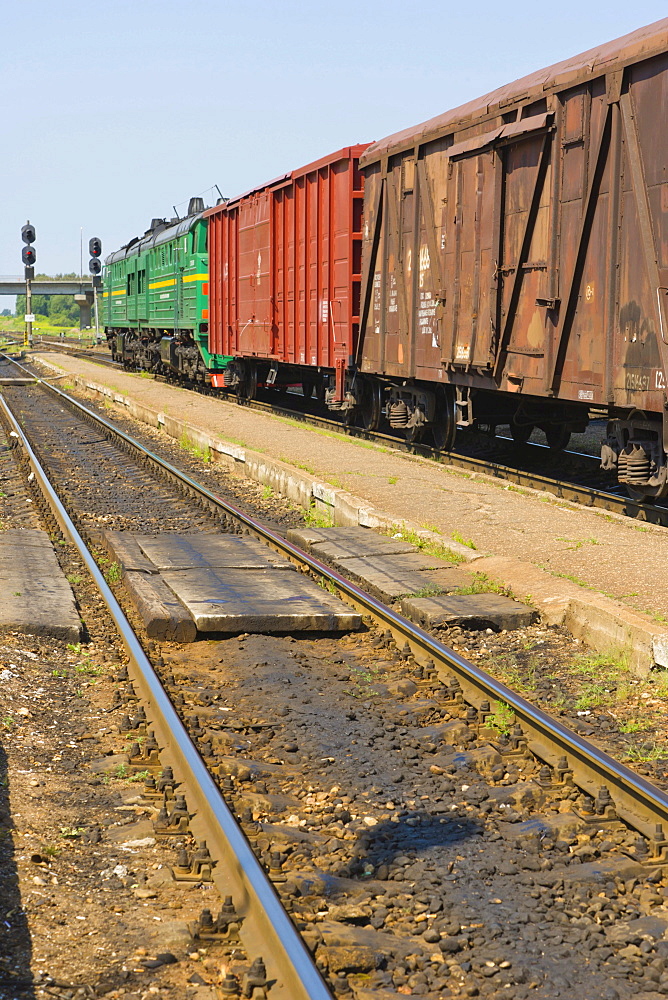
{"x": 298, "y": 465}
{"x": 393, "y": 480}
{"x": 614, "y": 663}
{"x": 646, "y": 753}
{"x": 203, "y": 453}
{"x": 483, "y": 584}
{"x": 88, "y": 667}
{"x": 578, "y": 542}
{"x": 139, "y": 776}
{"x": 426, "y": 545}
{"x": 428, "y": 591}
{"x": 316, "y": 518}
{"x": 593, "y": 695}
{"x": 502, "y": 718}
{"x": 114, "y": 573}
{"x": 468, "y": 542}
{"x": 518, "y": 675}
{"x": 635, "y": 726}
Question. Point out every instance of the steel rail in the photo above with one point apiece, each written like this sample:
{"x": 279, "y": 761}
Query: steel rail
{"x": 266, "y": 929}
{"x": 586, "y": 496}
{"x": 637, "y": 801}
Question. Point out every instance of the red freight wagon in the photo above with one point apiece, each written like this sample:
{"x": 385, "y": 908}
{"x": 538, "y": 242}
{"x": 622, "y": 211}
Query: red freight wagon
{"x": 285, "y": 272}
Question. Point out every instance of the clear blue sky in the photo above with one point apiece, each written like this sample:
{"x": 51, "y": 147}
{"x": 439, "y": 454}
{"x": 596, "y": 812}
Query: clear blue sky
{"x": 113, "y": 112}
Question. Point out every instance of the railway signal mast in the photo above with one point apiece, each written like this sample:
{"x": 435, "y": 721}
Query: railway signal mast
{"x": 95, "y": 266}
{"x": 28, "y": 256}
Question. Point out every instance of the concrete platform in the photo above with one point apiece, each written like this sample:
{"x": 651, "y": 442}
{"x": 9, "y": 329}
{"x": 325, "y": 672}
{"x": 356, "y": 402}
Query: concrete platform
{"x": 35, "y": 597}
{"x": 469, "y": 611}
{"x": 182, "y": 584}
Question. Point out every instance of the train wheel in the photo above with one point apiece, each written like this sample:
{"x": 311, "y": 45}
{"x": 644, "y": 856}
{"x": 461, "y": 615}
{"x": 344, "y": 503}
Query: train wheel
{"x": 414, "y": 434}
{"x": 557, "y": 436}
{"x": 247, "y": 388}
{"x": 646, "y": 494}
{"x": 521, "y": 432}
{"x": 372, "y": 404}
{"x": 444, "y": 426}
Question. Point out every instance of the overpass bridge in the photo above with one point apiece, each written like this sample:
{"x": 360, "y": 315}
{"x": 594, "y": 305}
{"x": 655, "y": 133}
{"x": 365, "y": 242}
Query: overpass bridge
{"x": 81, "y": 289}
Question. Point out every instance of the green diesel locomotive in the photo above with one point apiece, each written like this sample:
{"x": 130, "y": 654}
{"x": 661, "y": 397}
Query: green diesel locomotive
{"x": 155, "y": 300}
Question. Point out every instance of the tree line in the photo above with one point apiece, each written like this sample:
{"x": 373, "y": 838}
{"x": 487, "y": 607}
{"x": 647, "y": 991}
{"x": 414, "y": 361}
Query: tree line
{"x": 60, "y": 310}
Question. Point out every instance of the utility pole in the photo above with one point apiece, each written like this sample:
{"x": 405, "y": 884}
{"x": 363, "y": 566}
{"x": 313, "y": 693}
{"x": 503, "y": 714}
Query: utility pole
{"x": 28, "y": 256}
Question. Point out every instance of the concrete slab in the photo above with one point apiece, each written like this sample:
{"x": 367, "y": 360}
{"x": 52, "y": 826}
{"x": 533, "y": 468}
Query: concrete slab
{"x": 340, "y": 543}
{"x": 271, "y": 600}
{"x": 389, "y": 577}
{"x": 448, "y": 578}
{"x": 123, "y": 548}
{"x": 177, "y": 551}
{"x": 163, "y": 615}
{"x": 469, "y": 611}
{"x": 35, "y": 597}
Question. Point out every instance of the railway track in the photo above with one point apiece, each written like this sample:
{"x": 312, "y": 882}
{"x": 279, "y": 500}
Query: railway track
{"x": 579, "y": 480}
{"x": 267, "y": 930}
{"x": 553, "y": 758}
{"x": 90, "y": 355}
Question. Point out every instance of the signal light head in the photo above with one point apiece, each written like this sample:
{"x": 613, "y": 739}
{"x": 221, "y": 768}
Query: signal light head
{"x": 28, "y": 256}
{"x": 95, "y": 247}
{"x": 28, "y": 233}
{"x": 94, "y": 266}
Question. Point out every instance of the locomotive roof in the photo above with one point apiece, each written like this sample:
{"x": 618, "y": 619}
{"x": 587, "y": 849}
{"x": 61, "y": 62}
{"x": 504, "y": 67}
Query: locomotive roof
{"x": 628, "y": 49}
{"x": 162, "y": 234}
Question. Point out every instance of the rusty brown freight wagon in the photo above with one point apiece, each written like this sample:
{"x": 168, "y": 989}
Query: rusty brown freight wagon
{"x": 516, "y": 260}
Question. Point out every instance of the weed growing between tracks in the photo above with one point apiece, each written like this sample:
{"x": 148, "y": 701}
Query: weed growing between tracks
{"x": 197, "y": 451}
{"x": 316, "y": 518}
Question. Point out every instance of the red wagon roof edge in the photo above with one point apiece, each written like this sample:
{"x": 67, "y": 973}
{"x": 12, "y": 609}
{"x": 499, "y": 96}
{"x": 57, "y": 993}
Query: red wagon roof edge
{"x": 347, "y": 152}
